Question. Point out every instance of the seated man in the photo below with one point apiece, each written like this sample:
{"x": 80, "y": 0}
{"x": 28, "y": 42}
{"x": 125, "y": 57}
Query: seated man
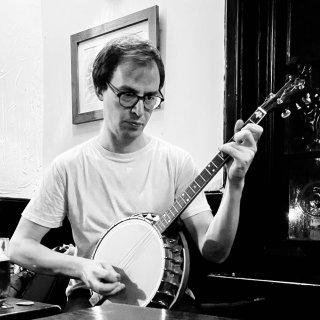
{"x": 123, "y": 171}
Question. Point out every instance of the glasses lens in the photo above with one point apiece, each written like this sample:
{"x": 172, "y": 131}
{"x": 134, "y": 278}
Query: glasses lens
{"x": 151, "y": 102}
{"x": 128, "y": 99}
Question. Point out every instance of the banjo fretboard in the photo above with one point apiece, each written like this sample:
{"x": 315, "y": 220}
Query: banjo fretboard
{"x": 197, "y": 185}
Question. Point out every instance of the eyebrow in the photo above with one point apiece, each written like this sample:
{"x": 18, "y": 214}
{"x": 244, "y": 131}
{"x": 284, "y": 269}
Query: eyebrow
{"x": 125, "y": 88}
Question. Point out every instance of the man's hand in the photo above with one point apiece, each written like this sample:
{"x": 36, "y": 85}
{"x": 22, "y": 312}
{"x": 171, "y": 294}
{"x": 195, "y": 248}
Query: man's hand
{"x": 242, "y": 150}
{"x": 101, "y": 277}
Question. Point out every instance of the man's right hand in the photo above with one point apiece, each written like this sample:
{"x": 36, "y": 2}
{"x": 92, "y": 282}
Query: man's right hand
{"x": 101, "y": 277}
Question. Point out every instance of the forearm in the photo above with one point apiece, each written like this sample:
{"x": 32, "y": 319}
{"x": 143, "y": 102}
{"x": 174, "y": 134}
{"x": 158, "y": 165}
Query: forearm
{"x": 222, "y": 230}
{"x": 31, "y": 254}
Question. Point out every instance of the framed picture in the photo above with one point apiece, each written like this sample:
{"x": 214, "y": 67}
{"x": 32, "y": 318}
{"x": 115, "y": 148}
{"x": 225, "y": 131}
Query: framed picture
{"x": 85, "y": 46}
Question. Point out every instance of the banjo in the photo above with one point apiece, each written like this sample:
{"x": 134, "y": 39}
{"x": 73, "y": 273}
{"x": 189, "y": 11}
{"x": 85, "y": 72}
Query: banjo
{"x": 153, "y": 265}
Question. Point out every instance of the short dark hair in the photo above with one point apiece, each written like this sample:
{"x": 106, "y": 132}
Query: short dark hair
{"x": 123, "y": 48}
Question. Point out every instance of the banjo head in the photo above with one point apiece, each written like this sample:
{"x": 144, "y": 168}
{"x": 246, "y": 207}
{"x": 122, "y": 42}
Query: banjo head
{"x": 135, "y": 249}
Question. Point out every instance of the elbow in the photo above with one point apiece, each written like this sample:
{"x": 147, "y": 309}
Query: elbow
{"x": 214, "y": 252}
{"x": 14, "y": 250}
{"x": 18, "y": 252}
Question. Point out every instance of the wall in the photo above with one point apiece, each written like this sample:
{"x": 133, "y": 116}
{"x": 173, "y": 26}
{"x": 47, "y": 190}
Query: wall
{"x": 21, "y": 96}
{"x": 192, "y": 46}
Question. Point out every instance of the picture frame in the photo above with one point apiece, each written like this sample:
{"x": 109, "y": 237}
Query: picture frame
{"x": 86, "y": 44}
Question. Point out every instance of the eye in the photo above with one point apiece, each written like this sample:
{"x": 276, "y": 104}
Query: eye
{"x": 149, "y": 98}
{"x": 128, "y": 96}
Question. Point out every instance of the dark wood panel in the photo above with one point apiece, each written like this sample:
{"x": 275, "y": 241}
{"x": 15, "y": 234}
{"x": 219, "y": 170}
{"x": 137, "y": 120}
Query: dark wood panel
{"x": 262, "y": 39}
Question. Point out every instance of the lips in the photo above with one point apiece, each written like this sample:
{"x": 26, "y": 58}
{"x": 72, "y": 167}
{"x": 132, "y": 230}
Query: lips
{"x": 135, "y": 124}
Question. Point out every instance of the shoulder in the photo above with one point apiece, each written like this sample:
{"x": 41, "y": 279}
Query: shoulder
{"x": 73, "y": 158}
{"x": 173, "y": 156}
{"x": 170, "y": 148}
{"x": 75, "y": 152}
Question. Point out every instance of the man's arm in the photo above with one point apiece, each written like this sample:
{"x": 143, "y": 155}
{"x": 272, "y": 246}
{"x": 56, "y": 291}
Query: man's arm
{"x": 26, "y": 250}
{"x": 215, "y": 235}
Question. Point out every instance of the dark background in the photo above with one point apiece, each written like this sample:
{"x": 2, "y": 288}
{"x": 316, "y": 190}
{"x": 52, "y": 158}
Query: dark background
{"x": 266, "y": 41}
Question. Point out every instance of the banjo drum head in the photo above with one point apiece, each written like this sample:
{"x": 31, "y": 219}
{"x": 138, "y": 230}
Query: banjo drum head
{"x": 135, "y": 249}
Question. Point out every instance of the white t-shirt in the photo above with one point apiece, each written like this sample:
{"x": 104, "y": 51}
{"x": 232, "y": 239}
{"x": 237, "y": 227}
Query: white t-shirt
{"x": 96, "y": 188}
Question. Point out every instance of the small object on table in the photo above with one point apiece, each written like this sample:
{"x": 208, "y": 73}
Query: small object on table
{"x": 25, "y": 303}
{"x": 22, "y": 309}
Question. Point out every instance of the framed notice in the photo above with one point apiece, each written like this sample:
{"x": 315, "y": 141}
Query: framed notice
{"x": 86, "y": 45}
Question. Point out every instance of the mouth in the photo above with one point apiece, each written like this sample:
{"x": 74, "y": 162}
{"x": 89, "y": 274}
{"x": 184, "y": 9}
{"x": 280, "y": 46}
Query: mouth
{"x": 135, "y": 124}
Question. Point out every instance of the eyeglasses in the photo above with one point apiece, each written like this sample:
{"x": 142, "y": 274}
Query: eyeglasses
{"x": 129, "y": 99}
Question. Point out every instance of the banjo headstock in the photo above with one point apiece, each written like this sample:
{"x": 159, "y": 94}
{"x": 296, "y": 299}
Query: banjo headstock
{"x": 307, "y": 97}
{"x": 284, "y": 98}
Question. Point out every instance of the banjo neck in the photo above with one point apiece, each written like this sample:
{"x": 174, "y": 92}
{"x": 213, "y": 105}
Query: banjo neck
{"x": 198, "y": 184}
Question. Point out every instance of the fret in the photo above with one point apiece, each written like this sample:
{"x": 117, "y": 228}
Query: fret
{"x": 170, "y": 213}
{"x": 181, "y": 202}
{"x": 223, "y": 155}
{"x": 185, "y": 197}
{"x": 160, "y": 225}
{"x": 190, "y": 192}
{"x": 195, "y": 187}
{"x": 211, "y": 167}
{"x": 174, "y": 209}
{"x": 166, "y": 218}
{"x": 220, "y": 159}
{"x": 205, "y": 174}
{"x": 177, "y": 206}
{"x": 200, "y": 181}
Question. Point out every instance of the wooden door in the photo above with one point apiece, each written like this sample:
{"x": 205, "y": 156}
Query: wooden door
{"x": 263, "y": 38}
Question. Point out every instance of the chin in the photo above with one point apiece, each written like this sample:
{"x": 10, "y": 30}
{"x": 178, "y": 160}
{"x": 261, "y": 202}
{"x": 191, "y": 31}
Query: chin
{"x": 133, "y": 134}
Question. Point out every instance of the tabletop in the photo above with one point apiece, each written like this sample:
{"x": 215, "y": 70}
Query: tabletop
{"x": 115, "y": 311}
{"x": 24, "y": 309}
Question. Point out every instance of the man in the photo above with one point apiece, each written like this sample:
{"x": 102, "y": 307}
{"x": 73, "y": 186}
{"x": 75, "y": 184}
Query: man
{"x": 123, "y": 171}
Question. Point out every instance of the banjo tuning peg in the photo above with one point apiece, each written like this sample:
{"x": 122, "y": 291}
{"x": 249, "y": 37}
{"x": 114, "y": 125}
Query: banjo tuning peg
{"x": 286, "y": 113}
{"x": 307, "y": 99}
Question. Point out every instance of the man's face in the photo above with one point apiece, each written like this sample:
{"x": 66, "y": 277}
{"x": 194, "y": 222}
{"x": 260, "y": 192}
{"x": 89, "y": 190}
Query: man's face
{"x": 129, "y": 123}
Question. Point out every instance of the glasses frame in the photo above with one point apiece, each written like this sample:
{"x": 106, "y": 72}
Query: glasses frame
{"x": 118, "y": 93}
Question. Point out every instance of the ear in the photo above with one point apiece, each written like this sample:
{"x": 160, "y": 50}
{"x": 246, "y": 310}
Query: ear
{"x": 99, "y": 93}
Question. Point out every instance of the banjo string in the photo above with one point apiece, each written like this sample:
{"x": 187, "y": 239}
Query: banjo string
{"x": 134, "y": 253}
{"x": 128, "y": 258}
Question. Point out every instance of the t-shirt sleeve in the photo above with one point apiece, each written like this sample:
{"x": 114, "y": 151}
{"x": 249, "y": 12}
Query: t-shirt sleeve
{"x": 48, "y": 206}
{"x": 186, "y": 174}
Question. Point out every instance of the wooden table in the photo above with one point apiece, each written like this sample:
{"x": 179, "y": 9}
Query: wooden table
{"x": 26, "y": 312}
{"x": 115, "y": 311}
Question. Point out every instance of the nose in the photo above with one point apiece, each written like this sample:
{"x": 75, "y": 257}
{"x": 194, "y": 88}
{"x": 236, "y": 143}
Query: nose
{"x": 138, "y": 108}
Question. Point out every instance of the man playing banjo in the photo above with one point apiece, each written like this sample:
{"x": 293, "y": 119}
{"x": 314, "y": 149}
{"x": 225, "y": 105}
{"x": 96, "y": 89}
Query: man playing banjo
{"x": 123, "y": 171}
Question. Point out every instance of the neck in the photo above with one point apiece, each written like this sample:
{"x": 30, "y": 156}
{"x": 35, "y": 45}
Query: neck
{"x": 122, "y": 145}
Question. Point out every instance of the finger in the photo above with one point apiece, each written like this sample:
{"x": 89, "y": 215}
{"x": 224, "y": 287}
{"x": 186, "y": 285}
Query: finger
{"x": 245, "y": 138}
{"x": 108, "y": 273}
{"x": 242, "y": 149}
{"x": 110, "y": 288}
{"x": 231, "y": 150}
{"x": 255, "y": 130}
{"x": 117, "y": 289}
{"x": 238, "y": 126}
